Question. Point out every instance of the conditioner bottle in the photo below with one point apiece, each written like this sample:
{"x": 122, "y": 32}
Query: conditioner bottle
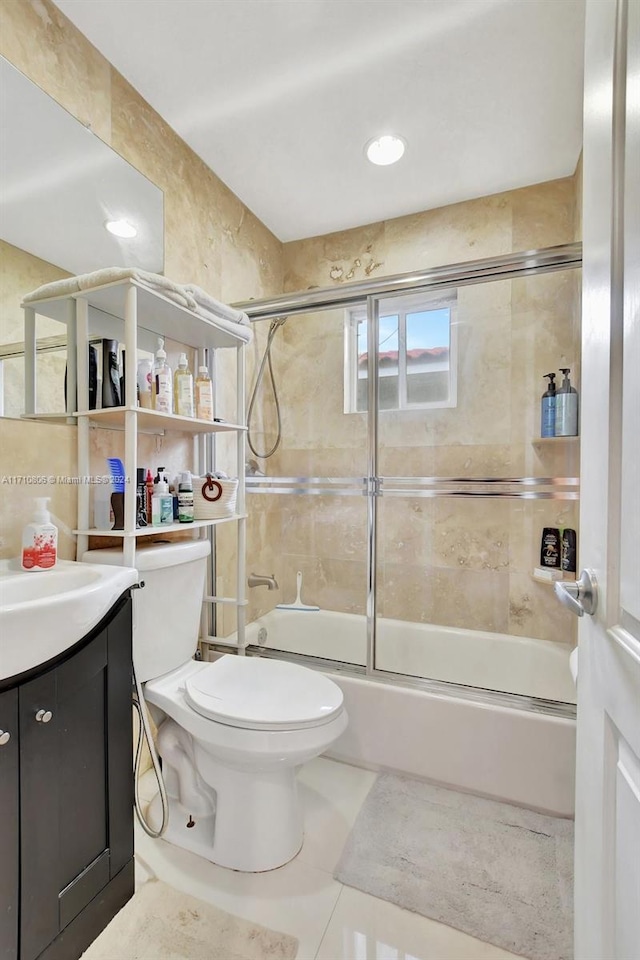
{"x": 566, "y": 408}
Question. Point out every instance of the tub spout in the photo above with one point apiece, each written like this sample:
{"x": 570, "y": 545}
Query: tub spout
{"x": 260, "y": 580}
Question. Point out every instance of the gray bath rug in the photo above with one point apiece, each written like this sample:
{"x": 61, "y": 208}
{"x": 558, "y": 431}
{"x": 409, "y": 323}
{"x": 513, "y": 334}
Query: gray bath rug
{"x": 497, "y": 872}
{"x": 160, "y": 923}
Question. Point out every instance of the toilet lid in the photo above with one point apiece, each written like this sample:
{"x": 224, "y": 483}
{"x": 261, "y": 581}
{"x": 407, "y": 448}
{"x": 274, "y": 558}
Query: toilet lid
{"x": 260, "y": 694}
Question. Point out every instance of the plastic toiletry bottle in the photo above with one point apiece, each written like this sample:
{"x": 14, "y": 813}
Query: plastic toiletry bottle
{"x": 162, "y": 385}
{"x": 566, "y": 407}
{"x": 550, "y": 547}
{"x": 183, "y": 388}
{"x": 568, "y": 550}
{"x": 40, "y": 539}
{"x": 144, "y": 384}
{"x": 548, "y": 411}
{"x": 204, "y": 395}
{"x": 148, "y": 484}
{"x": 161, "y": 503}
{"x": 185, "y": 499}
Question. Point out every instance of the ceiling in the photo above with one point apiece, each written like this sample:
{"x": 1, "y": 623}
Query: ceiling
{"x": 279, "y": 97}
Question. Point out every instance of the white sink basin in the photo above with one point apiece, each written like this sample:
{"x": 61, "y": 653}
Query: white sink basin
{"x": 44, "y": 613}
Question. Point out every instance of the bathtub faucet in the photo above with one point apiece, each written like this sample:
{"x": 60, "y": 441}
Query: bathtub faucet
{"x": 259, "y": 580}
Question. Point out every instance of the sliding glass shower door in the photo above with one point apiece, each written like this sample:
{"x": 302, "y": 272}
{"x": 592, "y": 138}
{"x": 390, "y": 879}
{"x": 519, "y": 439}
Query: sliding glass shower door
{"x": 465, "y": 484}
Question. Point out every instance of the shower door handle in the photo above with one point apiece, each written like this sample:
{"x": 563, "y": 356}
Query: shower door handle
{"x": 580, "y": 596}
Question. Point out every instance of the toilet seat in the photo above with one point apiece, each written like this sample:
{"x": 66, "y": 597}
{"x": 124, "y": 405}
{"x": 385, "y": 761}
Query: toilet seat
{"x": 259, "y": 694}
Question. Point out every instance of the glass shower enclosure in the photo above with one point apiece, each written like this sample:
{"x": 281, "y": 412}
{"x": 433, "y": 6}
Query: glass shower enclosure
{"x": 409, "y": 485}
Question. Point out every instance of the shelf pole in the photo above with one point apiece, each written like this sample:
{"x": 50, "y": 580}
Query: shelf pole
{"x": 242, "y": 523}
{"x": 80, "y": 322}
{"x": 130, "y": 422}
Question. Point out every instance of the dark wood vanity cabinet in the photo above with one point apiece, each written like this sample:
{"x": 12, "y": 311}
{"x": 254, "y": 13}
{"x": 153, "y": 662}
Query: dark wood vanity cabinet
{"x": 66, "y": 796}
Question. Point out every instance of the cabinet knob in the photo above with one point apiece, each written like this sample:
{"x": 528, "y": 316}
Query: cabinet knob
{"x": 5, "y": 736}
{"x": 43, "y": 716}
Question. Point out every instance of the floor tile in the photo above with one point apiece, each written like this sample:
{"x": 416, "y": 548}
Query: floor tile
{"x": 297, "y": 899}
{"x": 365, "y": 928}
{"x": 331, "y": 795}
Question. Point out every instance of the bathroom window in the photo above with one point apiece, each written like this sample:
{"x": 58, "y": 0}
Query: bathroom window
{"x": 416, "y": 354}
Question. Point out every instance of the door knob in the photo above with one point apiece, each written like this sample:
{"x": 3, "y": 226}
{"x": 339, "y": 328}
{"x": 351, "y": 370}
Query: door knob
{"x": 43, "y": 716}
{"x": 580, "y": 596}
{"x": 5, "y": 736}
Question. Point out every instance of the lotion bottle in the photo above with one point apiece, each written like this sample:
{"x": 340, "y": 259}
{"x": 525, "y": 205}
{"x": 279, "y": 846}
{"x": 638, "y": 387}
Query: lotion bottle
{"x": 204, "y": 395}
{"x": 40, "y": 539}
{"x": 183, "y": 388}
{"x": 162, "y": 385}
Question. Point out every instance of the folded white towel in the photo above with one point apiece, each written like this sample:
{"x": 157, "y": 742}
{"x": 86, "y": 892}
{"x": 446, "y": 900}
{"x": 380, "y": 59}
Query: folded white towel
{"x": 86, "y": 281}
{"x": 207, "y": 302}
{"x": 57, "y": 288}
{"x": 237, "y": 329}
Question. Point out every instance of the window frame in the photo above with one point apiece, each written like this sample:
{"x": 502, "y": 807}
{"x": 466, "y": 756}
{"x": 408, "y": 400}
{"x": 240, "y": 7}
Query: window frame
{"x": 400, "y": 305}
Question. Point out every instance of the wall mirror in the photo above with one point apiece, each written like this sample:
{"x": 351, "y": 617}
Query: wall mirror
{"x": 60, "y": 184}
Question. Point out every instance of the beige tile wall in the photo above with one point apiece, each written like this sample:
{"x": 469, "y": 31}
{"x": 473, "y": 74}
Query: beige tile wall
{"x": 210, "y": 237}
{"x": 457, "y": 563}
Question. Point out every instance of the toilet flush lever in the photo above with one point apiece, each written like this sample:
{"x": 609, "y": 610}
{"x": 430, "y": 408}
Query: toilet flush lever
{"x": 580, "y": 596}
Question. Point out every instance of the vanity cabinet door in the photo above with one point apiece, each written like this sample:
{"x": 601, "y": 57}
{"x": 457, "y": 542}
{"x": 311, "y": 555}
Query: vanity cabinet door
{"x": 9, "y": 833}
{"x": 76, "y": 788}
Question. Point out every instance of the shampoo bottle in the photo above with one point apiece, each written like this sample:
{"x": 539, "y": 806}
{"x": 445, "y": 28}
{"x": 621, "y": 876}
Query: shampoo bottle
{"x": 548, "y": 411}
{"x": 40, "y": 539}
{"x": 183, "y": 388}
{"x": 566, "y": 408}
{"x": 550, "y": 547}
{"x": 204, "y": 395}
{"x": 162, "y": 386}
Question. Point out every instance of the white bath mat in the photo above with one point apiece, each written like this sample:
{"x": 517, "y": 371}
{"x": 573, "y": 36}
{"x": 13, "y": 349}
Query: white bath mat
{"x": 492, "y": 870}
{"x": 160, "y": 923}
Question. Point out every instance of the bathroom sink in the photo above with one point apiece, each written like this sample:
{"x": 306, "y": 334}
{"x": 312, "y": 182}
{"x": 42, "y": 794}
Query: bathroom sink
{"x": 44, "y": 613}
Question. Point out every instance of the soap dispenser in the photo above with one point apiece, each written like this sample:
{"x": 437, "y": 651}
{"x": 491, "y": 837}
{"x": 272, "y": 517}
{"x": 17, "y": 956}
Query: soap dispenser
{"x": 548, "y": 411}
{"x": 40, "y": 539}
{"x": 162, "y": 381}
{"x": 566, "y": 407}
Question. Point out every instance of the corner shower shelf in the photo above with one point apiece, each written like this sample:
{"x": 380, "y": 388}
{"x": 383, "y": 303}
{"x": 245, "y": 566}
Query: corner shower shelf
{"x": 551, "y": 440}
{"x": 154, "y": 421}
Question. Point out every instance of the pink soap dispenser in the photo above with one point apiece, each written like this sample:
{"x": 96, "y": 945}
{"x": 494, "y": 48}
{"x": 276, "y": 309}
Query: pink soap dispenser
{"x": 40, "y": 539}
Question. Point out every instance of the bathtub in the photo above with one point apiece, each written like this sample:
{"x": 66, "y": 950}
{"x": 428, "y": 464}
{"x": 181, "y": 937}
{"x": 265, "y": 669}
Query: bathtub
{"x": 523, "y": 756}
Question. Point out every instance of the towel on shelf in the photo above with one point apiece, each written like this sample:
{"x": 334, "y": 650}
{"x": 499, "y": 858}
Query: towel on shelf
{"x": 57, "y": 288}
{"x": 213, "y": 306}
{"x": 97, "y": 278}
{"x": 237, "y": 329}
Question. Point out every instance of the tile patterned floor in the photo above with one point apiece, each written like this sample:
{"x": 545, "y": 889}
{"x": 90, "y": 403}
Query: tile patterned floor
{"x": 331, "y": 921}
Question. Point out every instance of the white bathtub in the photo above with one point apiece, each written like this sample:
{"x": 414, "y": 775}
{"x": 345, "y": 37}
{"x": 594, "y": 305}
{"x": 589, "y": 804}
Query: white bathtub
{"x": 521, "y": 756}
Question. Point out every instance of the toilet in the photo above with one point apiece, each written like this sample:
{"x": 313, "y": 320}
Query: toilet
{"x": 232, "y": 733}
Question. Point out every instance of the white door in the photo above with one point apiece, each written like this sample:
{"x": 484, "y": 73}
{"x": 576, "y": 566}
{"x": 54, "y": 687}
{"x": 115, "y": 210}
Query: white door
{"x": 607, "y": 881}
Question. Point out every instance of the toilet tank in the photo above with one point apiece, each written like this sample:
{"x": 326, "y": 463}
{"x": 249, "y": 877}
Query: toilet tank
{"x": 166, "y": 612}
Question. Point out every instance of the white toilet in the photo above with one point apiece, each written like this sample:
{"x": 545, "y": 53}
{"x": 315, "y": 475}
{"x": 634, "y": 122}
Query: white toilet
{"x": 231, "y": 733}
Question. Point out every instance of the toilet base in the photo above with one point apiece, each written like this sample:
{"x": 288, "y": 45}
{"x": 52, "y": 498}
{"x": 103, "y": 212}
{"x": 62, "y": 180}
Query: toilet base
{"x": 243, "y": 819}
{"x": 198, "y": 838}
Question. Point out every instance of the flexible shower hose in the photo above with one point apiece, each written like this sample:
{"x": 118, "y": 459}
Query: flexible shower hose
{"x": 144, "y": 731}
{"x": 266, "y": 358}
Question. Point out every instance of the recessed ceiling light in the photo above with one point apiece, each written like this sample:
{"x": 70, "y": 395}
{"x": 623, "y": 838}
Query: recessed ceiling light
{"x": 121, "y": 228}
{"x": 385, "y": 150}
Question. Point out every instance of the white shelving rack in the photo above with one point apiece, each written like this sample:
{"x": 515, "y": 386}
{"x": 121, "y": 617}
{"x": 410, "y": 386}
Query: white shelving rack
{"x": 136, "y": 315}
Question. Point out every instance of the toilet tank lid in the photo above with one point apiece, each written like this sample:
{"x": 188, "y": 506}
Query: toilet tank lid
{"x": 153, "y": 556}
